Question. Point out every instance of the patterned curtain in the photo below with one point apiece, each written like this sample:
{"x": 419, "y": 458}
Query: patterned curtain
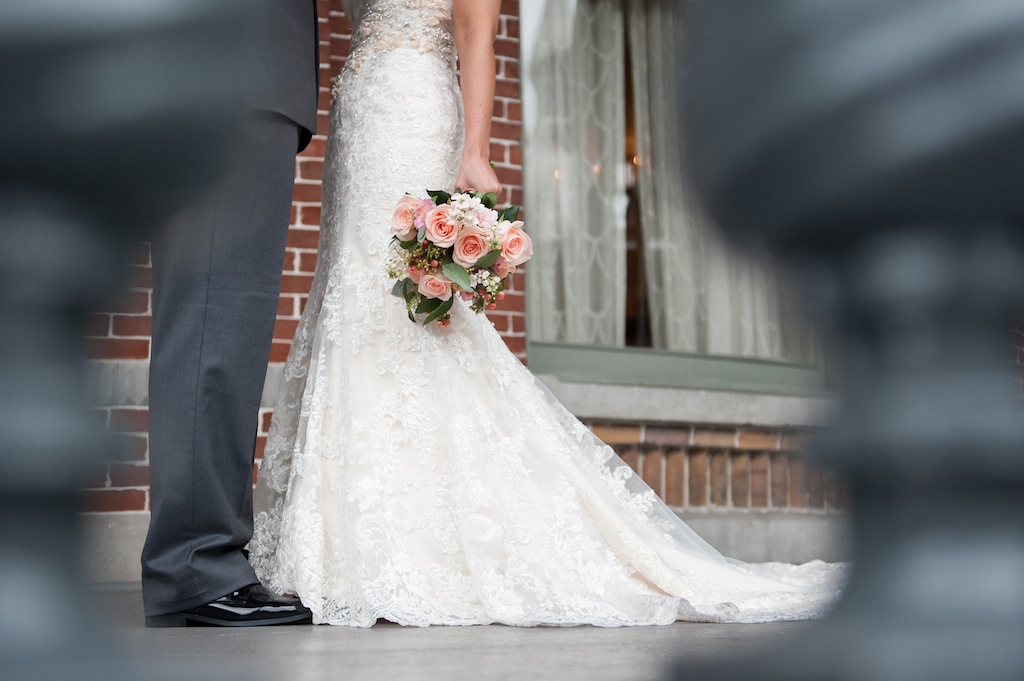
{"x": 575, "y": 176}
{"x": 704, "y": 297}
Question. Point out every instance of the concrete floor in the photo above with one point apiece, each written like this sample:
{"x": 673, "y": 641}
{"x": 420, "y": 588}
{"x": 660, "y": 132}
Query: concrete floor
{"x": 393, "y": 653}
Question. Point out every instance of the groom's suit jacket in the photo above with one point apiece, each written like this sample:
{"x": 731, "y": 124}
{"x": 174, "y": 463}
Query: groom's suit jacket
{"x": 287, "y": 60}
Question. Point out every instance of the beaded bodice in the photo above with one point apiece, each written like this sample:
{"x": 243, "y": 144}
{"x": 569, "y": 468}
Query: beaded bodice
{"x": 384, "y": 25}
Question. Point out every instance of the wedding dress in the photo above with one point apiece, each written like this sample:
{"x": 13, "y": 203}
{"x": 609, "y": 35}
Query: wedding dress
{"x": 423, "y": 475}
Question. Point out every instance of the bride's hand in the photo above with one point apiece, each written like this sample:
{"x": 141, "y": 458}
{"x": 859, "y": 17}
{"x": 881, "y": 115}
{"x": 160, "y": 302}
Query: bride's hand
{"x": 476, "y": 174}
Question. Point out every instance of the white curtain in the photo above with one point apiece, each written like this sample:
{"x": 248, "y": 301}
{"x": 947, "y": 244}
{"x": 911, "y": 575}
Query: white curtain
{"x": 704, "y": 298}
{"x": 575, "y": 176}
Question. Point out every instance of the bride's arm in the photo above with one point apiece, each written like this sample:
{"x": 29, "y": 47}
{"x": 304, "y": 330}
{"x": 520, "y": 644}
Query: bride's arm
{"x": 476, "y": 26}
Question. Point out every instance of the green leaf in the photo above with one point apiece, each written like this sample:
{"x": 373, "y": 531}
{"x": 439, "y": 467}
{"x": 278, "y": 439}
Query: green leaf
{"x": 440, "y": 311}
{"x": 399, "y": 289}
{"x": 489, "y": 259}
{"x": 411, "y": 318}
{"x": 409, "y": 245}
{"x": 490, "y": 199}
{"x": 428, "y": 305}
{"x": 510, "y": 214}
{"x": 420, "y": 235}
{"x": 457, "y": 273}
{"x": 411, "y": 290}
{"x": 439, "y": 196}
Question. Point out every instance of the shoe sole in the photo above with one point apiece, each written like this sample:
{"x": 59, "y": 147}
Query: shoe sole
{"x": 183, "y": 620}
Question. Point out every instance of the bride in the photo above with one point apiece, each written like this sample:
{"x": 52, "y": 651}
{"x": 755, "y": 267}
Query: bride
{"x": 421, "y": 474}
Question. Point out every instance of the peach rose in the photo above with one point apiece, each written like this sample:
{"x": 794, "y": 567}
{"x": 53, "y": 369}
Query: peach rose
{"x": 470, "y": 247}
{"x": 501, "y": 267}
{"x": 415, "y": 274}
{"x": 517, "y": 247}
{"x": 439, "y": 230}
{"x": 435, "y": 286}
{"x": 402, "y": 222}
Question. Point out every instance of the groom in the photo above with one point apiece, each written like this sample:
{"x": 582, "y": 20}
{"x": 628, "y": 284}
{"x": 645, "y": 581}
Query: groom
{"x": 217, "y": 279}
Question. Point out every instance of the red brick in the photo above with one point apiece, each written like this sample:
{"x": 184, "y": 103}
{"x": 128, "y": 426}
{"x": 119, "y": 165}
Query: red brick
{"x": 513, "y": 302}
{"x": 131, "y": 302}
{"x": 311, "y": 170}
{"x": 132, "y": 447}
{"x": 306, "y": 193}
{"x": 706, "y": 437}
{"x": 115, "y": 348}
{"x": 652, "y": 474}
{"x": 303, "y": 238}
{"x": 667, "y": 437}
{"x": 759, "y": 465}
{"x": 284, "y": 329}
{"x": 518, "y": 323}
{"x": 719, "y": 468}
{"x": 740, "y": 493}
{"x": 307, "y": 262}
{"x": 316, "y": 148}
{"x": 515, "y": 113}
{"x": 108, "y": 500}
{"x": 511, "y": 27}
{"x": 613, "y": 434}
{"x": 323, "y": 101}
{"x": 675, "y": 477}
{"x": 516, "y": 344}
{"x": 296, "y": 283}
{"x": 133, "y": 325}
{"x": 499, "y": 153}
{"x": 261, "y": 445}
{"x": 509, "y": 175}
{"x": 290, "y": 261}
{"x": 279, "y": 351}
{"x": 140, "y": 277}
{"x": 506, "y": 131}
{"x": 507, "y": 89}
{"x": 500, "y": 321}
{"x": 129, "y": 420}
{"x": 265, "y": 421}
{"x": 311, "y": 217}
{"x": 631, "y": 457}
{"x": 128, "y": 475}
{"x": 798, "y": 496}
{"x": 504, "y": 47}
{"x": 286, "y": 306}
{"x": 762, "y": 440}
{"x": 697, "y": 478}
{"x": 779, "y": 480}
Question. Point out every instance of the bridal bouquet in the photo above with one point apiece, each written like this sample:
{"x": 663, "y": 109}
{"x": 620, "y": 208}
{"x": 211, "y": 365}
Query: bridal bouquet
{"x": 453, "y": 244}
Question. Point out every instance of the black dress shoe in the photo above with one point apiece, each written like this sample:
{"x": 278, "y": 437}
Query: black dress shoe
{"x": 250, "y": 606}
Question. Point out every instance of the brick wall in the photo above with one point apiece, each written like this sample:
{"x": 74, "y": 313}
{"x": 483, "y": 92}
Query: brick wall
{"x": 123, "y": 331}
{"x": 700, "y": 467}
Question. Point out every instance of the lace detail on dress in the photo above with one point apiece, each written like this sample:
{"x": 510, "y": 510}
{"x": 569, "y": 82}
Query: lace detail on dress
{"x": 387, "y": 25}
{"x": 497, "y": 505}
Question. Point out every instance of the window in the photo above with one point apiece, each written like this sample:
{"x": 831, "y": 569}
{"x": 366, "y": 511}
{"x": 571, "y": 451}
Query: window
{"x": 626, "y": 270}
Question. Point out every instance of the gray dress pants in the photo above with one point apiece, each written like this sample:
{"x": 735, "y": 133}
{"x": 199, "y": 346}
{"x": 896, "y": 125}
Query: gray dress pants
{"x": 217, "y": 280}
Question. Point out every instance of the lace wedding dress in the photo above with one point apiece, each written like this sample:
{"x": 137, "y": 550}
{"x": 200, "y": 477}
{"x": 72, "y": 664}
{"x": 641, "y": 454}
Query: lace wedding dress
{"x": 423, "y": 475}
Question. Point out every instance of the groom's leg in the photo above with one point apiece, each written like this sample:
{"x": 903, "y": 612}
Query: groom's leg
{"x": 217, "y": 279}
